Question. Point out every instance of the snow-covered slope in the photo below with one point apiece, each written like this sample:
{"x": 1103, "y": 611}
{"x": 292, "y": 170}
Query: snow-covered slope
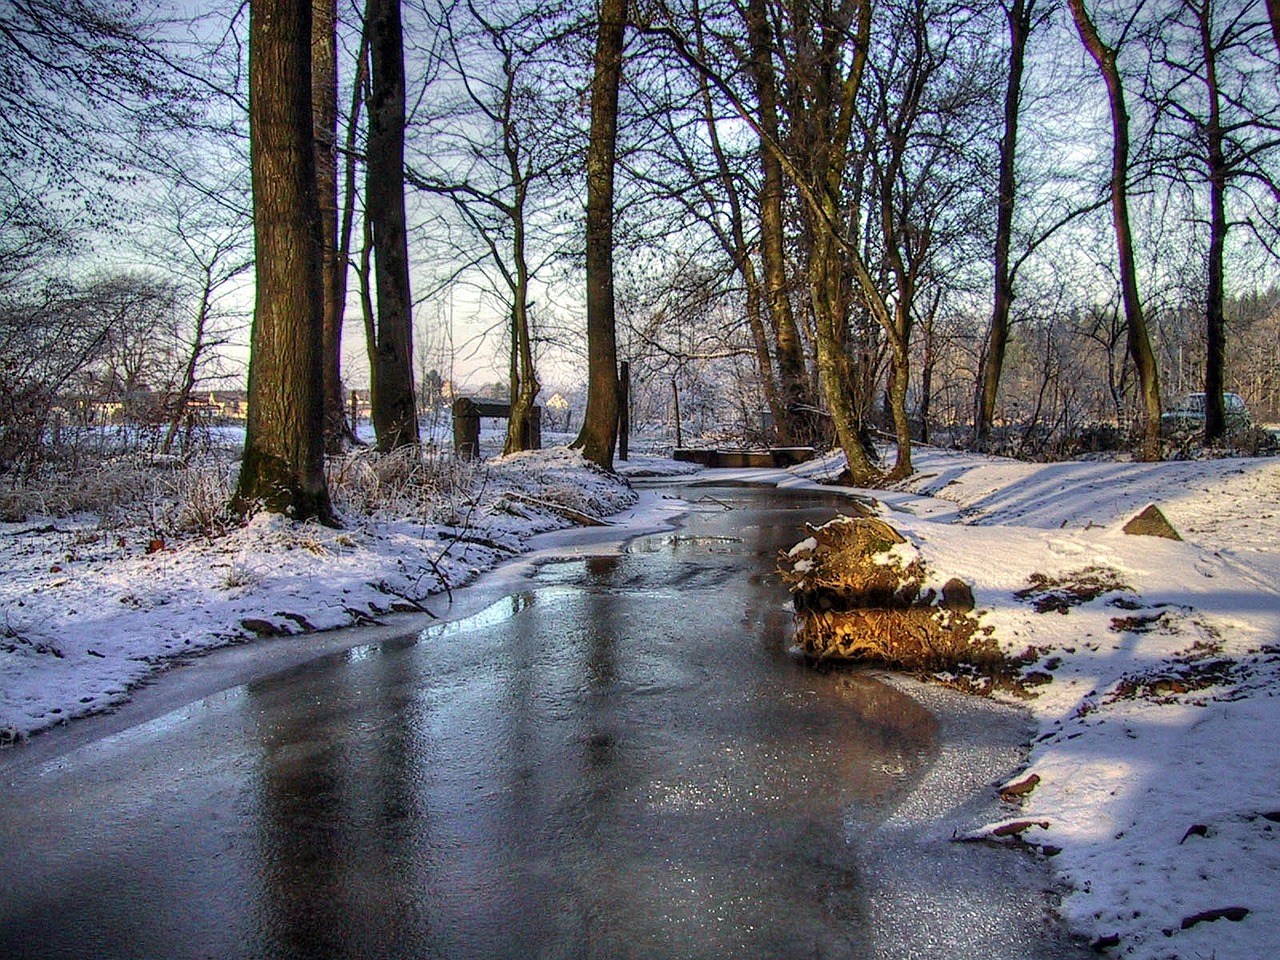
{"x": 1159, "y": 792}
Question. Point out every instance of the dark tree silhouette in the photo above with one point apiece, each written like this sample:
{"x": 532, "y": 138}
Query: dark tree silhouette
{"x": 394, "y": 412}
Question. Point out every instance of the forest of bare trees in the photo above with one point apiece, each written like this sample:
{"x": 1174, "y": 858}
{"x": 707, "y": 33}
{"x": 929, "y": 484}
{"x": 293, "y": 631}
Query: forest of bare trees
{"x": 1027, "y": 226}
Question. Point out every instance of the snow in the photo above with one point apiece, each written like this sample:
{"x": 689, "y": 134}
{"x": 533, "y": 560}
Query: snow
{"x": 807, "y": 545}
{"x": 87, "y": 613}
{"x": 1158, "y": 794}
{"x": 1157, "y": 733}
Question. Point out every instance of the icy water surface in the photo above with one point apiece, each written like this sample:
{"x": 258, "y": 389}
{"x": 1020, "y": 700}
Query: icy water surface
{"x": 625, "y": 760}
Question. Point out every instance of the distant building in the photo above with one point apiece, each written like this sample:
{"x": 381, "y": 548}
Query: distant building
{"x": 221, "y": 406}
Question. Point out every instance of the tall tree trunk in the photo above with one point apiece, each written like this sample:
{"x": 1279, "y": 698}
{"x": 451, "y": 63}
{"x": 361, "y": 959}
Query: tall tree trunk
{"x": 1273, "y": 11}
{"x": 899, "y": 327}
{"x": 1215, "y": 421}
{"x": 1144, "y": 359}
{"x": 324, "y": 109}
{"x": 395, "y": 417}
{"x": 899, "y": 382}
{"x": 358, "y": 91}
{"x": 599, "y": 431}
{"x": 831, "y": 305}
{"x": 1019, "y": 15}
{"x": 927, "y": 363}
{"x": 524, "y": 374}
{"x": 524, "y": 379}
{"x": 903, "y": 272}
{"x": 798, "y": 424}
{"x": 283, "y": 465}
{"x": 825, "y": 115}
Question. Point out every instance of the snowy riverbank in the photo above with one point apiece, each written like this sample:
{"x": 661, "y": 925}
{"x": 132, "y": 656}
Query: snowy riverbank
{"x": 1156, "y": 752}
{"x": 1158, "y": 795}
{"x": 90, "y": 609}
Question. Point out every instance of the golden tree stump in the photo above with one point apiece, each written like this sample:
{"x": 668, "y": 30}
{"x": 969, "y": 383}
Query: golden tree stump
{"x": 860, "y": 593}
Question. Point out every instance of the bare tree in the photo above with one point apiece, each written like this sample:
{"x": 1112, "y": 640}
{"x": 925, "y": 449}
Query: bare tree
{"x": 599, "y": 432}
{"x": 211, "y": 253}
{"x": 346, "y": 228}
{"x": 1021, "y": 16}
{"x": 821, "y": 55}
{"x": 823, "y": 70}
{"x": 797, "y": 424}
{"x": 394, "y": 411}
{"x": 324, "y": 109}
{"x": 783, "y": 405}
{"x": 105, "y": 340}
{"x": 1222, "y": 131}
{"x": 1139, "y": 340}
{"x": 134, "y": 367}
{"x": 283, "y": 465}
{"x": 494, "y": 154}
{"x": 924, "y": 128}
{"x": 79, "y": 81}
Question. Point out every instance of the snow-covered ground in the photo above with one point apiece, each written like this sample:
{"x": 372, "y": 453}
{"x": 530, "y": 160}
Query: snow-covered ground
{"x": 90, "y": 609}
{"x": 1158, "y": 796}
{"x": 1159, "y": 730}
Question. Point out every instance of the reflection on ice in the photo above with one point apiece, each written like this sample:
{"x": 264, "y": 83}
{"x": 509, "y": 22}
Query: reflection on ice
{"x": 626, "y": 761}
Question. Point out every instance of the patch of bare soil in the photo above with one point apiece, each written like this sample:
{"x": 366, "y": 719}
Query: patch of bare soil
{"x": 1059, "y": 594}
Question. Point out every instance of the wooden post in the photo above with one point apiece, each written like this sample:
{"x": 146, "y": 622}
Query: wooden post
{"x": 624, "y": 409}
{"x": 466, "y": 429}
{"x": 675, "y": 397}
{"x": 355, "y": 413}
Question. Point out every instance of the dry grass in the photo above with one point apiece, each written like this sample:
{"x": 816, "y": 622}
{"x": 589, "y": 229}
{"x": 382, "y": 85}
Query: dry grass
{"x": 415, "y": 482}
{"x": 161, "y": 495}
{"x": 170, "y": 498}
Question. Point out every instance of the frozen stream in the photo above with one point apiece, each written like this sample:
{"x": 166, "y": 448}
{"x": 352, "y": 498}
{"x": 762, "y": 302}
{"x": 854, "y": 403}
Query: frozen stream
{"x": 622, "y": 760}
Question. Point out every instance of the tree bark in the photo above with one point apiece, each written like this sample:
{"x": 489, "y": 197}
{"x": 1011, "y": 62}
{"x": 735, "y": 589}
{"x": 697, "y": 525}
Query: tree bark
{"x": 927, "y": 362}
{"x": 394, "y": 413}
{"x": 1215, "y": 421}
{"x": 524, "y": 379}
{"x": 599, "y": 432}
{"x": 283, "y": 465}
{"x": 1144, "y": 359}
{"x": 798, "y": 424}
{"x": 324, "y": 108}
{"x": 1019, "y": 15}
